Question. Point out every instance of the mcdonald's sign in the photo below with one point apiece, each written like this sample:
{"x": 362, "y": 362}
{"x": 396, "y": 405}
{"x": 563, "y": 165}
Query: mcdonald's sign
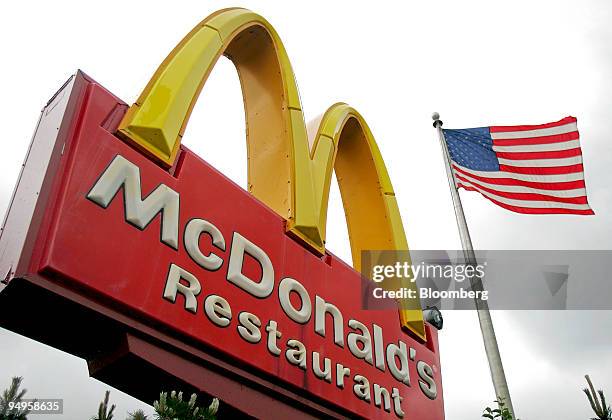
{"x": 123, "y": 247}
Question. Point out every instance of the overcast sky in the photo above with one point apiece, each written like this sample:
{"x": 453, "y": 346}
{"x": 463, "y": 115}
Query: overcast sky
{"x": 477, "y": 63}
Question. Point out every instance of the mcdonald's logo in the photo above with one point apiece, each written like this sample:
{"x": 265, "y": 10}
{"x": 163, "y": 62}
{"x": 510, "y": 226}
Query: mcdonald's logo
{"x": 283, "y": 171}
{"x": 146, "y": 261}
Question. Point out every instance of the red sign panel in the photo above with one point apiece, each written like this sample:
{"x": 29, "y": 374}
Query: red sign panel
{"x": 188, "y": 251}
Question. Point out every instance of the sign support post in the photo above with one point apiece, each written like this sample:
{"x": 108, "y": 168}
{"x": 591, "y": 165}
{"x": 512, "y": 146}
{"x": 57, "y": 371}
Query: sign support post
{"x": 496, "y": 367}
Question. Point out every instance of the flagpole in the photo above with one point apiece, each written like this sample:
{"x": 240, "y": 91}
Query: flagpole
{"x": 498, "y": 375}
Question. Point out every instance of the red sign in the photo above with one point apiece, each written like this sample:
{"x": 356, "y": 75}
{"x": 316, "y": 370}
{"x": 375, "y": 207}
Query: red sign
{"x": 189, "y": 251}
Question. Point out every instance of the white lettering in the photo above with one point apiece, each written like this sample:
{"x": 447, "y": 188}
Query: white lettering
{"x": 240, "y": 246}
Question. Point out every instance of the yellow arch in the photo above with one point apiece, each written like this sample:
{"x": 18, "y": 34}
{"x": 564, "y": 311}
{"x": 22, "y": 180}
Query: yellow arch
{"x": 282, "y": 170}
{"x": 344, "y": 143}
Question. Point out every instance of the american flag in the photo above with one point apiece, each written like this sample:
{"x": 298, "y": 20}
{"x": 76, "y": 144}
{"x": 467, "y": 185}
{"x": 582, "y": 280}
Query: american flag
{"x": 534, "y": 169}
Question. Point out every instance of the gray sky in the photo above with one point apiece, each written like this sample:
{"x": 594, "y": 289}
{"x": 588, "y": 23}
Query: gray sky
{"x": 476, "y": 62}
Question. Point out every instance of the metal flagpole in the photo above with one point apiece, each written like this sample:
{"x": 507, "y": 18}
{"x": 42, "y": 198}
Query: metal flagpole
{"x": 484, "y": 316}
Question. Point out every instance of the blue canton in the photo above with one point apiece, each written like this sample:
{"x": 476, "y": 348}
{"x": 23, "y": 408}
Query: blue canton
{"x": 472, "y": 148}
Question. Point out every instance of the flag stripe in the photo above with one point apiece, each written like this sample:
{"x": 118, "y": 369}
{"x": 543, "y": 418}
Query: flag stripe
{"x": 574, "y": 192}
{"x": 557, "y": 138}
{"x": 552, "y": 131}
{"x": 539, "y": 178}
{"x": 525, "y": 196}
{"x": 534, "y": 170}
{"x": 526, "y": 203}
{"x": 554, "y": 154}
{"x": 550, "y": 186}
{"x": 503, "y": 128}
{"x": 545, "y": 147}
{"x": 531, "y": 210}
{"x": 541, "y": 163}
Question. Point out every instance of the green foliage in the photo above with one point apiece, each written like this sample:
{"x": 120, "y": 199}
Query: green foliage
{"x": 168, "y": 407}
{"x": 103, "y": 411}
{"x": 10, "y": 397}
{"x": 500, "y": 413}
{"x": 173, "y": 407}
{"x": 597, "y": 401}
{"x": 137, "y": 415}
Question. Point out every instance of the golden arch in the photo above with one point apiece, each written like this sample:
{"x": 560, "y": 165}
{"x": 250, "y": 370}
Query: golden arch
{"x": 283, "y": 171}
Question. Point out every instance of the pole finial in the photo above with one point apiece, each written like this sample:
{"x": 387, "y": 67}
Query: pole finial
{"x": 436, "y": 119}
